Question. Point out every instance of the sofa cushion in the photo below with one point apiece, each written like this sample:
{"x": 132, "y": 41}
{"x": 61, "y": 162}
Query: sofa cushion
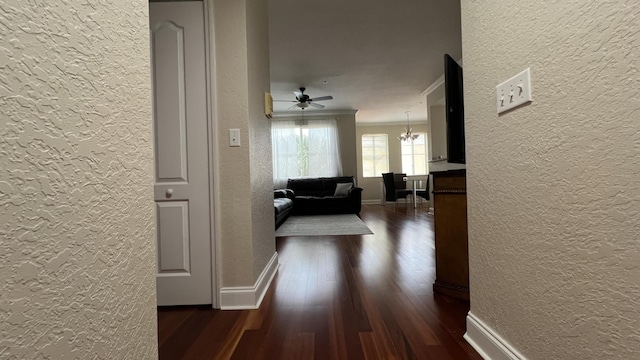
{"x": 342, "y": 189}
{"x": 306, "y": 187}
{"x": 283, "y": 193}
{"x": 282, "y": 208}
{"x": 329, "y": 183}
{"x": 320, "y": 187}
{"x": 317, "y": 195}
{"x": 304, "y": 205}
{"x": 282, "y": 204}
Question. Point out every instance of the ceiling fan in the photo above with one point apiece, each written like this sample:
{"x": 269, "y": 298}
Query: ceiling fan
{"x": 303, "y": 100}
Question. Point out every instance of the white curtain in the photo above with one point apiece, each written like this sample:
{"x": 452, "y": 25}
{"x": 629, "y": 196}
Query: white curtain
{"x": 304, "y": 149}
{"x": 284, "y": 151}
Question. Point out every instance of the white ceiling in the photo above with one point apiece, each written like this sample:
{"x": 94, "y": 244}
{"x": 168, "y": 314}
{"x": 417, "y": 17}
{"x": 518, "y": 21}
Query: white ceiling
{"x": 374, "y": 56}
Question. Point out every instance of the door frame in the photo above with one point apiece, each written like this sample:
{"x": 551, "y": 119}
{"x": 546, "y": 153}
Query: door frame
{"x": 209, "y": 38}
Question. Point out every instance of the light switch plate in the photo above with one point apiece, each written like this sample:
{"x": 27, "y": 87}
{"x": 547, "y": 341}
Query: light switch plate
{"x": 268, "y": 105}
{"x": 514, "y": 92}
{"x": 234, "y": 137}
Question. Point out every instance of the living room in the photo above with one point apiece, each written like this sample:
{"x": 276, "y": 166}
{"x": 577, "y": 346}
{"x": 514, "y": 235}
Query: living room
{"x": 350, "y": 146}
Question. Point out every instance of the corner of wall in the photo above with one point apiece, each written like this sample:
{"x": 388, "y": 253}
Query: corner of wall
{"x": 249, "y": 297}
{"x": 487, "y": 342}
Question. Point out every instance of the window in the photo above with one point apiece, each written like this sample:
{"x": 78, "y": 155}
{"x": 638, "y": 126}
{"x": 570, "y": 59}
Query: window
{"x": 375, "y": 155}
{"x": 414, "y": 156}
{"x": 304, "y": 149}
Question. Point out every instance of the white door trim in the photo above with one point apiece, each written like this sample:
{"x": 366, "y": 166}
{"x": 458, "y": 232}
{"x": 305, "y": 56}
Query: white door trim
{"x": 209, "y": 47}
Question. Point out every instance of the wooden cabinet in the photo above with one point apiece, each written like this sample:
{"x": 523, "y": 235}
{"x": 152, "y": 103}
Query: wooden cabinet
{"x": 450, "y": 225}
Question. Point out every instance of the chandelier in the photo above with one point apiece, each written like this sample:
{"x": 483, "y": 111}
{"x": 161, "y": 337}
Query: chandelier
{"x": 407, "y": 136}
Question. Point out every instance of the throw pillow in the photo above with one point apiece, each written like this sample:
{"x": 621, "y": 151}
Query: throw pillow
{"x": 342, "y": 189}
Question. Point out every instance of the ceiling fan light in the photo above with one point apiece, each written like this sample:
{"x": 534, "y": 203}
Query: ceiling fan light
{"x": 303, "y": 105}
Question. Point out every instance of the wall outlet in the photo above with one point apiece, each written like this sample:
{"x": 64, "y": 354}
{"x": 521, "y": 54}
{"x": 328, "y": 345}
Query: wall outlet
{"x": 234, "y": 137}
{"x": 514, "y": 92}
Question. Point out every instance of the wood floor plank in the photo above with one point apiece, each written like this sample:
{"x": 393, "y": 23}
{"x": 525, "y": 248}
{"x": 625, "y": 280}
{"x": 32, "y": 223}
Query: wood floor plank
{"x": 211, "y": 339}
{"x": 299, "y": 346}
{"x": 248, "y": 347}
{"x": 369, "y": 346}
{"x": 336, "y": 297}
{"x": 233, "y": 337}
{"x": 380, "y": 328}
{"x": 170, "y": 320}
{"x": 182, "y": 338}
{"x": 337, "y": 340}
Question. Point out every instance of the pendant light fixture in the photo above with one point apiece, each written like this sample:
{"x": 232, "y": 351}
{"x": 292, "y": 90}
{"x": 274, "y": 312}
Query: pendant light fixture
{"x": 407, "y": 136}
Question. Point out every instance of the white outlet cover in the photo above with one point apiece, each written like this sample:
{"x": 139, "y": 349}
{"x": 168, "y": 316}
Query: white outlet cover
{"x": 514, "y": 92}
{"x": 234, "y": 137}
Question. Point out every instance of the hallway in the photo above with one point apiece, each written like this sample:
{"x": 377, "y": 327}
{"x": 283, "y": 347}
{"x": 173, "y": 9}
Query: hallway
{"x": 336, "y": 297}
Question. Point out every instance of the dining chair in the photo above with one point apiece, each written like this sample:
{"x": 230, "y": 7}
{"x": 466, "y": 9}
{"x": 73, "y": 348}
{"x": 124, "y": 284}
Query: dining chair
{"x": 396, "y": 187}
{"x": 423, "y": 193}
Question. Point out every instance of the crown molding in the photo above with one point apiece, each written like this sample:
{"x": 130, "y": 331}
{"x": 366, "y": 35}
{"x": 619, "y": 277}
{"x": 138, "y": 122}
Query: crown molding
{"x": 391, "y": 123}
{"x": 436, "y": 84}
{"x": 439, "y": 82}
{"x": 299, "y": 113}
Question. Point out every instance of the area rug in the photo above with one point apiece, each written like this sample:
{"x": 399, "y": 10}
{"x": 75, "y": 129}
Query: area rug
{"x": 314, "y": 225}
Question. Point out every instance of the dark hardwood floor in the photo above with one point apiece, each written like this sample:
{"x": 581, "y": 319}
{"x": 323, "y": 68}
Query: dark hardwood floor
{"x": 336, "y": 297}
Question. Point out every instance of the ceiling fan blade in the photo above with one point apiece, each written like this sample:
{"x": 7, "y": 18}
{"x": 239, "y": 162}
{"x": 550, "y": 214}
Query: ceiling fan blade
{"x": 285, "y": 100}
{"x": 329, "y": 97}
{"x": 298, "y": 94}
{"x": 318, "y": 106}
{"x": 292, "y": 107}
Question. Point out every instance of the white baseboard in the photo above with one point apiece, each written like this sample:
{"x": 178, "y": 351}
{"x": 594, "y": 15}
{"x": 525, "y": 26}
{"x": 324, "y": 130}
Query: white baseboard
{"x": 487, "y": 343}
{"x": 369, "y": 202}
{"x": 249, "y": 297}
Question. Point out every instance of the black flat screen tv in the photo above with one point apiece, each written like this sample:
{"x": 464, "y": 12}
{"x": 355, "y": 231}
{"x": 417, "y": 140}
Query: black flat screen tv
{"x": 454, "y": 111}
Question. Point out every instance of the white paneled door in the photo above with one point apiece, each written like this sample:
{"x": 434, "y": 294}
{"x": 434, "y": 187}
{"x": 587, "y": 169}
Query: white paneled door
{"x": 181, "y": 153}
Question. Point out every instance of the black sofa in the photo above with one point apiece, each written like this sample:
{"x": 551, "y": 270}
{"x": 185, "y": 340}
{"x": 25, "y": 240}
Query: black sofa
{"x": 318, "y": 195}
{"x": 282, "y": 204}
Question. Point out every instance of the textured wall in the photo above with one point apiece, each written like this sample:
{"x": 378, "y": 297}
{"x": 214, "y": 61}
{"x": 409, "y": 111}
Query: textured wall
{"x": 263, "y": 231}
{"x": 247, "y": 240}
{"x": 233, "y": 175}
{"x": 553, "y": 190}
{"x": 77, "y": 253}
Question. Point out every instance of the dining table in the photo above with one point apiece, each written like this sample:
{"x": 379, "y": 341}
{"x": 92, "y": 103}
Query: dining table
{"x": 416, "y": 184}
